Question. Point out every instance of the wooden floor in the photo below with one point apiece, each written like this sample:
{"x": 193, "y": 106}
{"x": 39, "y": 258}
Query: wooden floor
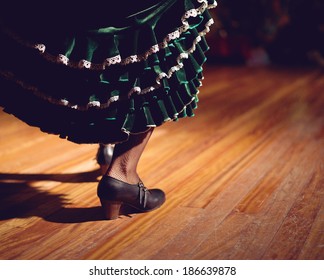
{"x": 244, "y": 180}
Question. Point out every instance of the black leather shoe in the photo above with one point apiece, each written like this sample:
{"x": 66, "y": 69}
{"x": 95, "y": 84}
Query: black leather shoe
{"x": 113, "y": 193}
{"x": 104, "y": 156}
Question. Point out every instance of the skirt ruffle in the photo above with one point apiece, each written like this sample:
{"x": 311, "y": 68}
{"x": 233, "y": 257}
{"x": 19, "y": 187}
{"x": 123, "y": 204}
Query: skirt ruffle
{"x": 98, "y": 84}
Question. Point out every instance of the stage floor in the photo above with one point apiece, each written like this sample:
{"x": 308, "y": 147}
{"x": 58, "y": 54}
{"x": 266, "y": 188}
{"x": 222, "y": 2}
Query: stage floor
{"x": 244, "y": 179}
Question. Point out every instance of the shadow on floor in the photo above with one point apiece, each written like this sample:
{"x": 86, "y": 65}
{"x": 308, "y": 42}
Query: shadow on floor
{"x": 18, "y": 199}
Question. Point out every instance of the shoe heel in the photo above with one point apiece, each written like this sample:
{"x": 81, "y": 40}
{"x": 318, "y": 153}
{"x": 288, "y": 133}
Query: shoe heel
{"x": 111, "y": 208}
{"x": 103, "y": 168}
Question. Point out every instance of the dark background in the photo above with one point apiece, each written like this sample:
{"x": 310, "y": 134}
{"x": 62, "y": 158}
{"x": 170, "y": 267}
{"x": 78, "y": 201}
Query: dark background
{"x": 264, "y": 32}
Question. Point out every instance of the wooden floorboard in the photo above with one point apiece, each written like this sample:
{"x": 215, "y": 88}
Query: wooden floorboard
{"x": 243, "y": 178}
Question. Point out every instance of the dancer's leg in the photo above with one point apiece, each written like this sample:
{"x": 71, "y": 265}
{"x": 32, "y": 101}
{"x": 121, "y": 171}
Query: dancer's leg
{"x": 121, "y": 183}
{"x": 126, "y": 157}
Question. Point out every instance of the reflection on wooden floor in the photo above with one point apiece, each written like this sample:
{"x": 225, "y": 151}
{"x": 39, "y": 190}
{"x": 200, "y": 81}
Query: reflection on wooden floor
{"x": 244, "y": 180}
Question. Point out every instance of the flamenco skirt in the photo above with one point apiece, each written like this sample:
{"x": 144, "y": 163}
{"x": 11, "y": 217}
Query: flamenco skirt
{"x": 96, "y": 74}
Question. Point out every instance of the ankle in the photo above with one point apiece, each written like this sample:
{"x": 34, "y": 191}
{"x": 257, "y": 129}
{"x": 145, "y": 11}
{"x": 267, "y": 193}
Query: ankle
{"x": 130, "y": 178}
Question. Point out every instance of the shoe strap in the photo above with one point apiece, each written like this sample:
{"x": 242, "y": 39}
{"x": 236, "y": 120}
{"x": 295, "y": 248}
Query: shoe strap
{"x": 142, "y": 193}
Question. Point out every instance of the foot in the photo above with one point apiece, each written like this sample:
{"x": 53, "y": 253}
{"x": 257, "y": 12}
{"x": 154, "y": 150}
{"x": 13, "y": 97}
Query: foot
{"x": 113, "y": 192}
{"x": 104, "y": 157}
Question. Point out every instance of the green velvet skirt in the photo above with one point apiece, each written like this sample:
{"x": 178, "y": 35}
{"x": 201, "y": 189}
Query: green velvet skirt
{"x": 96, "y": 74}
